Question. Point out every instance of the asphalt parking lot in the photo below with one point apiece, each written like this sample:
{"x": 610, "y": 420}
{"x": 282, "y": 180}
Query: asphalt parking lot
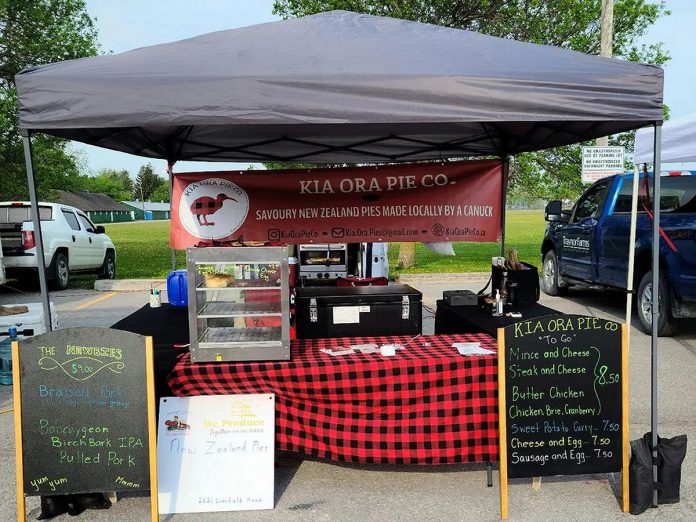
{"x": 317, "y": 490}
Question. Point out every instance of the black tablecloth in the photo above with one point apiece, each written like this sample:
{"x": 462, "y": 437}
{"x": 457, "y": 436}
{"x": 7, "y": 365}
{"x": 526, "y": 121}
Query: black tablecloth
{"x": 469, "y": 319}
{"x": 168, "y": 326}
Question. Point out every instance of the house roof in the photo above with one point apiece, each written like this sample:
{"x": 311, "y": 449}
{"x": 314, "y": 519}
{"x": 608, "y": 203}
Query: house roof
{"x": 149, "y": 205}
{"x": 90, "y": 201}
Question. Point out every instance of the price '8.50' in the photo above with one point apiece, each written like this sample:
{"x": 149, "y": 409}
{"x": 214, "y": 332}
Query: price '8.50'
{"x": 606, "y": 377}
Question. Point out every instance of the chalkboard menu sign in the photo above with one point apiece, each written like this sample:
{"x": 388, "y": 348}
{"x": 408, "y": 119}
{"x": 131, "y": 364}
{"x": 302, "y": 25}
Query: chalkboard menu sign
{"x": 563, "y": 398}
{"x": 85, "y": 408}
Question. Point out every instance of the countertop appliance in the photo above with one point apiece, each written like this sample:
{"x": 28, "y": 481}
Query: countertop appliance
{"x": 323, "y": 260}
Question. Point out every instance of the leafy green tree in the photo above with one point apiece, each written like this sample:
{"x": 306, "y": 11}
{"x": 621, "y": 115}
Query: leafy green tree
{"x": 147, "y": 182}
{"x": 34, "y": 32}
{"x": 114, "y": 183}
{"x": 571, "y": 24}
{"x": 122, "y": 176}
{"x": 161, "y": 193}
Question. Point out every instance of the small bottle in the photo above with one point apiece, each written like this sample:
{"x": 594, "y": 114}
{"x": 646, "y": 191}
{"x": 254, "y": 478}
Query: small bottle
{"x": 498, "y": 305}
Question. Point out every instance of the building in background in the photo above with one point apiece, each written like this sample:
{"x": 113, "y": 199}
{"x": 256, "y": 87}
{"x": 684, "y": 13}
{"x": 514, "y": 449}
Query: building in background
{"x": 100, "y": 208}
{"x": 148, "y": 210}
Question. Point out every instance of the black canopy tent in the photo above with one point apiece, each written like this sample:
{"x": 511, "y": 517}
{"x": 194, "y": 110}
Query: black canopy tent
{"x": 337, "y": 87}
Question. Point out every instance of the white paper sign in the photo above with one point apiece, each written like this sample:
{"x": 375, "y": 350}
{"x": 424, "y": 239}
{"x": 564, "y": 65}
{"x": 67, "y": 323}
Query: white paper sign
{"x": 216, "y": 453}
{"x": 346, "y": 314}
{"x": 472, "y": 348}
{"x": 601, "y": 162}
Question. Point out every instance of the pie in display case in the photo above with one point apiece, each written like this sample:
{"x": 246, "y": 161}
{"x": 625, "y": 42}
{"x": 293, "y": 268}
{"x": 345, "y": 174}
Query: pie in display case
{"x": 239, "y": 303}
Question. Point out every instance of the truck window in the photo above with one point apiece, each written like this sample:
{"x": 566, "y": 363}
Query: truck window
{"x": 71, "y": 219}
{"x": 21, "y": 213}
{"x": 677, "y": 195}
{"x": 590, "y": 205}
{"x": 86, "y": 223}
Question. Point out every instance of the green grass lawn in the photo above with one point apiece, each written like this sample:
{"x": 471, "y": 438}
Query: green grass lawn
{"x": 524, "y": 231}
{"x": 142, "y": 249}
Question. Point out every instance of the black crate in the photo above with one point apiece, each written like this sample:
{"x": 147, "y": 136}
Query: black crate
{"x": 357, "y": 311}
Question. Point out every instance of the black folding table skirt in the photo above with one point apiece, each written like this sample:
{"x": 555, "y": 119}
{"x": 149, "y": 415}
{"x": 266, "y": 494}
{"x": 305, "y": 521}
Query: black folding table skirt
{"x": 469, "y": 319}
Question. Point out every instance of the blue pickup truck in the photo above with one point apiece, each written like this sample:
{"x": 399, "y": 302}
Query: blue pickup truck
{"x": 588, "y": 246}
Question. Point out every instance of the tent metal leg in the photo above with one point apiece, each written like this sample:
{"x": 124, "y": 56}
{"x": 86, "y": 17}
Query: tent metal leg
{"x": 506, "y": 170}
{"x": 631, "y": 255}
{"x": 655, "y": 299}
{"x": 489, "y": 474}
{"x": 170, "y": 171}
{"x": 38, "y": 236}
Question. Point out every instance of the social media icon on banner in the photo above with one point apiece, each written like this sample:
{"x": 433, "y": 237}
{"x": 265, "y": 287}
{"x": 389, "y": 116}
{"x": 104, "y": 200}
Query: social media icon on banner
{"x": 338, "y": 232}
{"x": 274, "y": 234}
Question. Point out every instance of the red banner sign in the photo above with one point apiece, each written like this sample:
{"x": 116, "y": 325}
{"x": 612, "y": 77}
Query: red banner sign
{"x": 414, "y": 202}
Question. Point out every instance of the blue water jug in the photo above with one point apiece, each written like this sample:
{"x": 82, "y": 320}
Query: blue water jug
{"x": 177, "y": 288}
{"x": 6, "y": 356}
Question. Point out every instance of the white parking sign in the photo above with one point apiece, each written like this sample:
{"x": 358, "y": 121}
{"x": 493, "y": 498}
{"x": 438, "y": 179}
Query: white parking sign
{"x": 601, "y": 162}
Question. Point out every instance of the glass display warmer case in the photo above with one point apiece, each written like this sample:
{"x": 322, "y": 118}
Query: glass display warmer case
{"x": 239, "y": 303}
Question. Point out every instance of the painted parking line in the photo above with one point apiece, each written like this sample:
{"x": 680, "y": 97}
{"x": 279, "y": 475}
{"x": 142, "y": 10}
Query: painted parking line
{"x": 95, "y": 300}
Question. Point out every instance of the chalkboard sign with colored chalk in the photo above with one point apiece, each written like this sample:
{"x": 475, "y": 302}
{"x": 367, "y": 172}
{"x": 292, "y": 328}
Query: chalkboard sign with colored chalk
{"x": 563, "y": 396}
{"x": 84, "y": 402}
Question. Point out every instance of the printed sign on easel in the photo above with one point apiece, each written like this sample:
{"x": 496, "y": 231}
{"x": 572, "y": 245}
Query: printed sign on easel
{"x": 563, "y": 399}
{"x": 216, "y": 453}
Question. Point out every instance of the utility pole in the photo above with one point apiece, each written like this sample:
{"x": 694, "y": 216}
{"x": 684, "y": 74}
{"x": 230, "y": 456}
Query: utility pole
{"x": 605, "y": 44}
{"x": 142, "y": 199}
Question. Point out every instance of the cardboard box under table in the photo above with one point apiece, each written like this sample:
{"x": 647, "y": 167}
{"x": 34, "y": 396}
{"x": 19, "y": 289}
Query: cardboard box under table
{"x": 359, "y": 310}
{"x": 425, "y": 405}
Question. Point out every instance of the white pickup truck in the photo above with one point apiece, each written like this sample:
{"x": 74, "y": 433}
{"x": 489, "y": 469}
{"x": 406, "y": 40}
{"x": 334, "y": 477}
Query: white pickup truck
{"x": 71, "y": 242}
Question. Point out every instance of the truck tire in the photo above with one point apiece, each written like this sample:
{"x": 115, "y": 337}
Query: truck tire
{"x": 665, "y": 321}
{"x": 60, "y": 272}
{"x": 108, "y": 268}
{"x": 549, "y": 275}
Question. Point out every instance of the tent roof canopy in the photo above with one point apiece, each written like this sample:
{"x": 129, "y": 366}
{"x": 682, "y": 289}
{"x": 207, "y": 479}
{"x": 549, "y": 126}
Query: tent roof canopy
{"x": 678, "y": 142}
{"x": 338, "y": 87}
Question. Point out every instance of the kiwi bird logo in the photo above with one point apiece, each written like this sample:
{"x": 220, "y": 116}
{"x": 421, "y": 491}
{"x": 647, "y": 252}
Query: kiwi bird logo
{"x": 205, "y": 206}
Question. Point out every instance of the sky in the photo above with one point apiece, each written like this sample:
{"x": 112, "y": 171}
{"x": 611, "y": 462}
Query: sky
{"x": 124, "y": 25}
{"x": 128, "y": 24}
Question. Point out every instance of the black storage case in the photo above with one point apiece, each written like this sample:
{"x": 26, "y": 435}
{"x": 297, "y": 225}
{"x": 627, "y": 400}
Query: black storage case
{"x": 523, "y": 285}
{"x": 460, "y": 297}
{"x": 376, "y": 310}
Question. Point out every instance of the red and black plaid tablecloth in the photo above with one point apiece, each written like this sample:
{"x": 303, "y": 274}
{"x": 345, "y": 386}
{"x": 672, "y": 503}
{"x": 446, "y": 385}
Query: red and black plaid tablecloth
{"x": 426, "y": 405}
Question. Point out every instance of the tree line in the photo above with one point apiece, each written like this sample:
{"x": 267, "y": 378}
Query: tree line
{"x": 118, "y": 184}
